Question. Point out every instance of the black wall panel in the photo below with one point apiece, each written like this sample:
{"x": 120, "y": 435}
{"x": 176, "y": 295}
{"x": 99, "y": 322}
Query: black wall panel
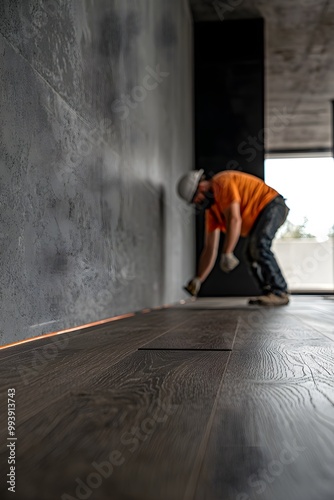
{"x": 229, "y": 122}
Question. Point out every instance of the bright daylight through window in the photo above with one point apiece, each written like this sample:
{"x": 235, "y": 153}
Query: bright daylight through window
{"x": 304, "y": 245}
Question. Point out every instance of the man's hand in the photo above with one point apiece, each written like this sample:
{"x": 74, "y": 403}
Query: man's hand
{"x": 228, "y": 262}
{"x": 193, "y": 286}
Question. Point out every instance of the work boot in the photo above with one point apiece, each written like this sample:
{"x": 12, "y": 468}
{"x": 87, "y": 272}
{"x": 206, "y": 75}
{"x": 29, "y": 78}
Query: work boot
{"x": 271, "y": 299}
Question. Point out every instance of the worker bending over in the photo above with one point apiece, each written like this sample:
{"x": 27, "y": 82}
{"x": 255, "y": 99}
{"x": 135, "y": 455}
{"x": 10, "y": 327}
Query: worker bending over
{"x": 238, "y": 204}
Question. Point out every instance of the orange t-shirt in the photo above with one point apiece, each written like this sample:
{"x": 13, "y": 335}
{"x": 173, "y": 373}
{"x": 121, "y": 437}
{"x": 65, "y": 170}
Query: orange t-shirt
{"x": 250, "y": 191}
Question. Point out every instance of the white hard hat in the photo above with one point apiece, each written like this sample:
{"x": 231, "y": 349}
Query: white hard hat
{"x": 188, "y": 184}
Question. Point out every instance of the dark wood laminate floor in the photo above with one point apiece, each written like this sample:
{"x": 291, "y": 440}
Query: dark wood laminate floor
{"x": 209, "y": 400}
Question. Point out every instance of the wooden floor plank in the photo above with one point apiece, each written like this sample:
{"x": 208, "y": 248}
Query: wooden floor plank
{"x": 274, "y": 427}
{"x": 82, "y": 358}
{"x": 265, "y": 433}
{"x": 204, "y": 330}
{"x": 263, "y": 327}
{"x": 323, "y": 322}
{"x": 162, "y": 319}
{"x": 151, "y": 409}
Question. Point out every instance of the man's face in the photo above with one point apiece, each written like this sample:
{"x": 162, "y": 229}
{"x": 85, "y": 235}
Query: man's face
{"x": 204, "y": 197}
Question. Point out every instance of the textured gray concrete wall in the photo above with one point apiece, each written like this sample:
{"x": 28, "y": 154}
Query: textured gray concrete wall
{"x": 96, "y": 112}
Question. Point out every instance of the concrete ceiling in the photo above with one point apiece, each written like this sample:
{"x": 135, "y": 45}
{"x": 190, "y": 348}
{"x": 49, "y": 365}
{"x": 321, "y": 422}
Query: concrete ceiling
{"x": 299, "y": 67}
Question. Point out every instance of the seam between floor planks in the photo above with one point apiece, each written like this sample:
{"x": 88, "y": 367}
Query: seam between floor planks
{"x": 195, "y": 474}
{"x": 181, "y": 349}
{"x": 131, "y": 351}
{"x": 193, "y": 480}
{"x": 305, "y": 322}
{"x": 76, "y": 335}
{"x": 236, "y": 332}
{"x": 164, "y": 333}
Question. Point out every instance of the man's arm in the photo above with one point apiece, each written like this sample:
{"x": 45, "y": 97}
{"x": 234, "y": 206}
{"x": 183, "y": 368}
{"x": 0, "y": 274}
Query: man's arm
{"x": 209, "y": 254}
{"x": 233, "y": 226}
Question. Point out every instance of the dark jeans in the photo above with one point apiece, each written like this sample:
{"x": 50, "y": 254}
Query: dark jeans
{"x": 263, "y": 263}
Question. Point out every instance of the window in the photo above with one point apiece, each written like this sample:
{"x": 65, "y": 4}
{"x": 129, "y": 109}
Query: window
{"x": 304, "y": 244}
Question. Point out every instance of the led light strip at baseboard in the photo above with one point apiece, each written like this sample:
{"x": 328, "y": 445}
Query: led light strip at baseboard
{"x": 68, "y": 330}
{"x": 88, "y": 325}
